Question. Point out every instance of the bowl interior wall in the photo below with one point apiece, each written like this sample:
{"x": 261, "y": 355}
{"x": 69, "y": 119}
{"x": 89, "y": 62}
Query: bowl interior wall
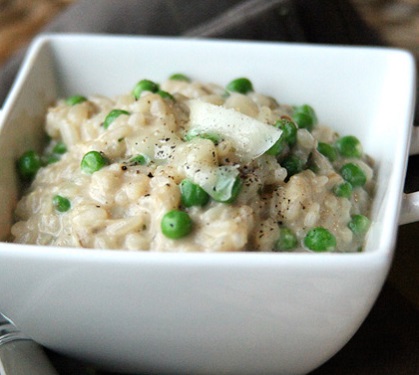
{"x": 354, "y": 90}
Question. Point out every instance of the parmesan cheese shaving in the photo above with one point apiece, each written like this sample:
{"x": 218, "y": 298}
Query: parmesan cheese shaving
{"x": 250, "y": 137}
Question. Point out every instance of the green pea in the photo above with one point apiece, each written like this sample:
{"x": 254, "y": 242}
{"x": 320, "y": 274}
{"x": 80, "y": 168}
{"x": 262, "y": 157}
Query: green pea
{"x": 328, "y": 150}
{"x": 240, "y": 85}
{"x": 320, "y": 239}
{"x": 235, "y": 191}
{"x": 353, "y": 174}
{"x": 176, "y": 224}
{"x": 180, "y": 77}
{"x": 59, "y": 148}
{"x": 93, "y": 161}
{"x": 288, "y": 136}
{"x": 349, "y": 147}
{"x": 140, "y": 159}
{"x": 75, "y": 99}
{"x": 144, "y": 85}
{"x": 359, "y": 224}
{"x": 287, "y": 240}
{"x": 277, "y": 147}
{"x": 112, "y": 116}
{"x": 289, "y": 131}
{"x": 305, "y": 117}
{"x": 51, "y": 159}
{"x": 293, "y": 164}
{"x": 28, "y": 165}
{"x": 165, "y": 95}
{"x": 193, "y": 133}
{"x": 343, "y": 190}
{"x": 225, "y": 94}
{"x": 61, "y": 204}
{"x": 313, "y": 166}
{"x": 192, "y": 194}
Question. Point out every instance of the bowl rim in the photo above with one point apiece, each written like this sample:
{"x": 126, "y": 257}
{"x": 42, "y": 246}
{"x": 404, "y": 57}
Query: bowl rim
{"x": 383, "y": 251}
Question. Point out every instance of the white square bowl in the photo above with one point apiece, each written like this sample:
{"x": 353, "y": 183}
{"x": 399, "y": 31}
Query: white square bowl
{"x": 244, "y": 313}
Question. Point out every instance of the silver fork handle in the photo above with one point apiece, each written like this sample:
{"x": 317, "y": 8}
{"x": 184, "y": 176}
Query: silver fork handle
{"x": 19, "y": 355}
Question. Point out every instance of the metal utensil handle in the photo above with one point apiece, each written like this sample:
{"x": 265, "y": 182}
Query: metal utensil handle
{"x": 24, "y": 357}
{"x": 19, "y": 355}
{"x": 409, "y": 212}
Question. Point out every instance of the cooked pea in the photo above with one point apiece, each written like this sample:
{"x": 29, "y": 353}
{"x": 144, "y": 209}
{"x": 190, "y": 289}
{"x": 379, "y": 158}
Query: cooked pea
{"x": 288, "y": 136}
{"x": 289, "y": 131}
{"x": 75, "y": 99}
{"x": 140, "y": 159}
{"x": 193, "y": 133}
{"x": 144, "y": 85}
{"x": 312, "y": 165}
{"x": 59, "y": 148}
{"x": 327, "y": 150}
{"x": 28, "y": 165}
{"x": 235, "y": 190}
{"x": 305, "y": 117}
{"x": 353, "y": 174}
{"x": 112, "y": 116}
{"x": 192, "y": 194}
{"x": 165, "y": 95}
{"x": 240, "y": 85}
{"x": 343, "y": 190}
{"x": 293, "y": 164}
{"x": 287, "y": 240}
{"x": 277, "y": 147}
{"x": 359, "y": 224}
{"x": 320, "y": 239}
{"x": 225, "y": 94}
{"x": 349, "y": 147}
{"x": 176, "y": 224}
{"x": 180, "y": 77}
{"x": 61, "y": 204}
{"x": 51, "y": 159}
{"x": 93, "y": 161}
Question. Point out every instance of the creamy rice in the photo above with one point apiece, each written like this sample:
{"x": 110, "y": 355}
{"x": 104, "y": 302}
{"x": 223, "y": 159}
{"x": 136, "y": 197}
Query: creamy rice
{"x": 121, "y": 206}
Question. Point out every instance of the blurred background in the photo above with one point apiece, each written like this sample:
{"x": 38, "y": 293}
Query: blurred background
{"x": 20, "y": 20}
{"x": 397, "y": 21}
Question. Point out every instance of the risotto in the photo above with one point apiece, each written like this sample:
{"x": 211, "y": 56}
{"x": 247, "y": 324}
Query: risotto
{"x": 189, "y": 166}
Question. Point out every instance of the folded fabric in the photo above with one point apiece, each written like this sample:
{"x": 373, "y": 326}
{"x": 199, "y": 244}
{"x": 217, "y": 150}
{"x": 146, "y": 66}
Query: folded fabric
{"x": 311, "y": 21}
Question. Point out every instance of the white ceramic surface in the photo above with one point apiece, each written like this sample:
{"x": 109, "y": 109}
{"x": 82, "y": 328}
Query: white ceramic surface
{"x": 245, "y": 313}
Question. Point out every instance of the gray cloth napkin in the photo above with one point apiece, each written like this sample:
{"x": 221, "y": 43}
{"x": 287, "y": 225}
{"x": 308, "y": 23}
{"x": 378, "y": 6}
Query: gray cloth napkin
{"x": 310, "y": 21}
{"x": 388, "y": 341}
